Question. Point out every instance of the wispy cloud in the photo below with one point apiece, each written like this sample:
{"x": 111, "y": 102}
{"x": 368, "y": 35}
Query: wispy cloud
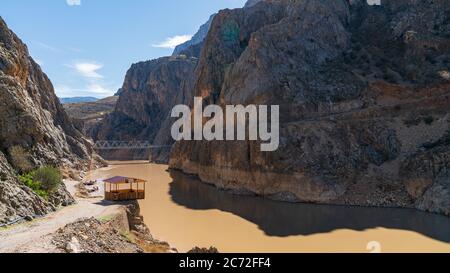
{"x": 75, "y": 49}
{"x": 88, "y": 69}
{"x": 46, "y": 46}
{"x": 374, "y": 2}
{"x": 98, "y": 88}
{"x": 91, "y": 90}
{"x": 172, "y": 42}
{"x": 73, "y": 2}
{"x": 89, "y": 81}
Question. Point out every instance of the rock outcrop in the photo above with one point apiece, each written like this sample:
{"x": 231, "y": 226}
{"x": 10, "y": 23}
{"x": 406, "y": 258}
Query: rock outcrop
{"x": 87, "y": 115}
{"x": 143, "y": 110}
{"x": 125, "y": 232}
{"x": 31, "y": 117}
{"x": 193, "y": 47}
{"x": 364, "y": 95}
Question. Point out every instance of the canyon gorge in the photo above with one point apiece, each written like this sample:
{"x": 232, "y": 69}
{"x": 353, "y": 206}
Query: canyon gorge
{"x": 363, "y": 93}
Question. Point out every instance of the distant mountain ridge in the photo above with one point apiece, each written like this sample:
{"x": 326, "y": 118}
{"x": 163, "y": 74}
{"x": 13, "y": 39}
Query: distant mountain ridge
{"x": 77, "y": 100}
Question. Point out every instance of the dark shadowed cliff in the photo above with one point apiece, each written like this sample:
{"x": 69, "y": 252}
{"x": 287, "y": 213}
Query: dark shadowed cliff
{"x": 150, "y": 91}
{"x": 31, "y": 117}
{"x": 364, "y": 95}
{"x": 142, "y": 112}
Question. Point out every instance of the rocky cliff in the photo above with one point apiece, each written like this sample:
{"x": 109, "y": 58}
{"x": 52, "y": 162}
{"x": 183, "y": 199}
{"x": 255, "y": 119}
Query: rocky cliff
{"x": 364, "y": 95}
{"x": 32, "y": 118}
{"x": 88, "y": 114}
{"x": 143, "y": 110}
{"x": 193, "y": 46}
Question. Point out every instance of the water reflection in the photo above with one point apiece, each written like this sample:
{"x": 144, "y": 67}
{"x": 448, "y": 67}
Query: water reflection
{"x": 286, "y": 219}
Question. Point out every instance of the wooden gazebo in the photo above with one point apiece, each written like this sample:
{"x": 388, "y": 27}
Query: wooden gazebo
{"x": 121, "y": 188}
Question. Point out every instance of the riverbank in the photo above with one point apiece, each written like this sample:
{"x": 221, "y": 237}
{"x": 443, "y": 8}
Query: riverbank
{"x": 233, "y": 223}
{"x": 117, "y": 224}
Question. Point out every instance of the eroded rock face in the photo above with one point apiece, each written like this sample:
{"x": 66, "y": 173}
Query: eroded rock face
{"x": 362, "y": 92}
{"x": 150, "y": 91}
{"x": 16, "y": 200}
{"x": 31, "y": 117}
{"x": 193, "y": 47}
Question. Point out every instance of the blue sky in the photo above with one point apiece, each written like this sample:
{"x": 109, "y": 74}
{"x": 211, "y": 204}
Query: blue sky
{"x": 86, "y": 46}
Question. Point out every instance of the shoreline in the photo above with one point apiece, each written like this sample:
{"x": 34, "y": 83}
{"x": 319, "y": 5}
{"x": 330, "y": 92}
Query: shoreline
{"x": 38, "y": 235}
{"x": 121, "y": 225}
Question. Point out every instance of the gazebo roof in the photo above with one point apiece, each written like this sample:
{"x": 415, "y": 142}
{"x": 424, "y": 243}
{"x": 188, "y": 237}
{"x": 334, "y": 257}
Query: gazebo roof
{"x": 123, "y": 180}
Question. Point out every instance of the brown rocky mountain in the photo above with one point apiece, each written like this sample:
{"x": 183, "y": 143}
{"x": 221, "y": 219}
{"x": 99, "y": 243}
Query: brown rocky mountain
{"x": 193, "y": 47}
{"x": 149, "y": 92}
{"x": 88, "y": 114}
{"x": 142, "y": 112}
{"x": 31, "y": 117}
{"x": 364, "y": 95}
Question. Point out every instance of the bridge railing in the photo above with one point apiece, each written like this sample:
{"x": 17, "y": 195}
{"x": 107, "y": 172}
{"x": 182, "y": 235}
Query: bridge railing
{"x": 126, "y": 145}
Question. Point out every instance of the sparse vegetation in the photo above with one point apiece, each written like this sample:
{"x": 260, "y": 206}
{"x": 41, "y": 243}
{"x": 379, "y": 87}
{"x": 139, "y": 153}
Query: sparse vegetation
{"x": 20, "y": 159}
{"x": 198, "y": 250}
{"x": 128, "y": 237}
{"x": 428, "y": 120}
{"x": 106, "y": 218}
{"x": 29, "y": 181}
{"x": 42, "y": 181}
{"x": 420, "y": 119}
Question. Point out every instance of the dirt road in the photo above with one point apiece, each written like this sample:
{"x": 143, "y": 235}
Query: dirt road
{"x": 32, "y": 237}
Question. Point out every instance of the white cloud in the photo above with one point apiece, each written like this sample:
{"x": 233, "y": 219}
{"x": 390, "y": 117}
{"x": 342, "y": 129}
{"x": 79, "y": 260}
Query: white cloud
{"x": 98, "y": 89}
{"x": 73, "y": 2}
{"x": 374, "y": 2}
{"x": 46, "y": 46}
{"x": 89, "y": 82}
{"x": 88, "y": 69}
{"x": 75, "y": 49}
{"x": 90, "y": 90}
{"x": 172, "y": 42}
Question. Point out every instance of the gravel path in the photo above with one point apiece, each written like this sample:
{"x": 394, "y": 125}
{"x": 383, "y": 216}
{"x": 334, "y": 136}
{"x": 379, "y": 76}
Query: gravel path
{"x": 32, "y": 236}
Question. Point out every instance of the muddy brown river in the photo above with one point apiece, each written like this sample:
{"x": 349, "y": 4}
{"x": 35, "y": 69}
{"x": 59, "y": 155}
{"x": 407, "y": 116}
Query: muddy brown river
{"x": 184, "y": 212}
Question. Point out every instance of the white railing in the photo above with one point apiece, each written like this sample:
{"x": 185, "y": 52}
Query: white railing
{"x": 126, "y": 145}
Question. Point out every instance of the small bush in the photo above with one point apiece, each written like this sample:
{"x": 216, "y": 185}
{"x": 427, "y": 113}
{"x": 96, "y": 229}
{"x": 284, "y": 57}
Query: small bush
{"x": 49, "y": 177}
{"x": 28, "y": 180}
{"x": 20, "y": 159}
{"x": 428, "y": 120}
{"x": 42, "y": 181}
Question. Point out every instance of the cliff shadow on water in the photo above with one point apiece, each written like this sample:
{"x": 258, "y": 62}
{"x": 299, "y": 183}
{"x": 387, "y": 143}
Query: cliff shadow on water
{"x": 283, "y": 219}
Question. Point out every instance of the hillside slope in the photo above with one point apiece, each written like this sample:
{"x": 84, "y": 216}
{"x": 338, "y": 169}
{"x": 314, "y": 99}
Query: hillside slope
{"x": 32, "y": 117}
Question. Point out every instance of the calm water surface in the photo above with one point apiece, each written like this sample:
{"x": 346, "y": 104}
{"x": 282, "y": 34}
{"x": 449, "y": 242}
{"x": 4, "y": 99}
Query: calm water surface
{"x": 186, "y": 213}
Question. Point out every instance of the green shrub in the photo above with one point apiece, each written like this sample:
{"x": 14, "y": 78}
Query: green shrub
{"x": 49, "y": 178}
{"x": 20, "y": 159}
{"x": 28, "y": 180}
{"x": 428, "y": 120}
{"x": 42, "y": 181}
